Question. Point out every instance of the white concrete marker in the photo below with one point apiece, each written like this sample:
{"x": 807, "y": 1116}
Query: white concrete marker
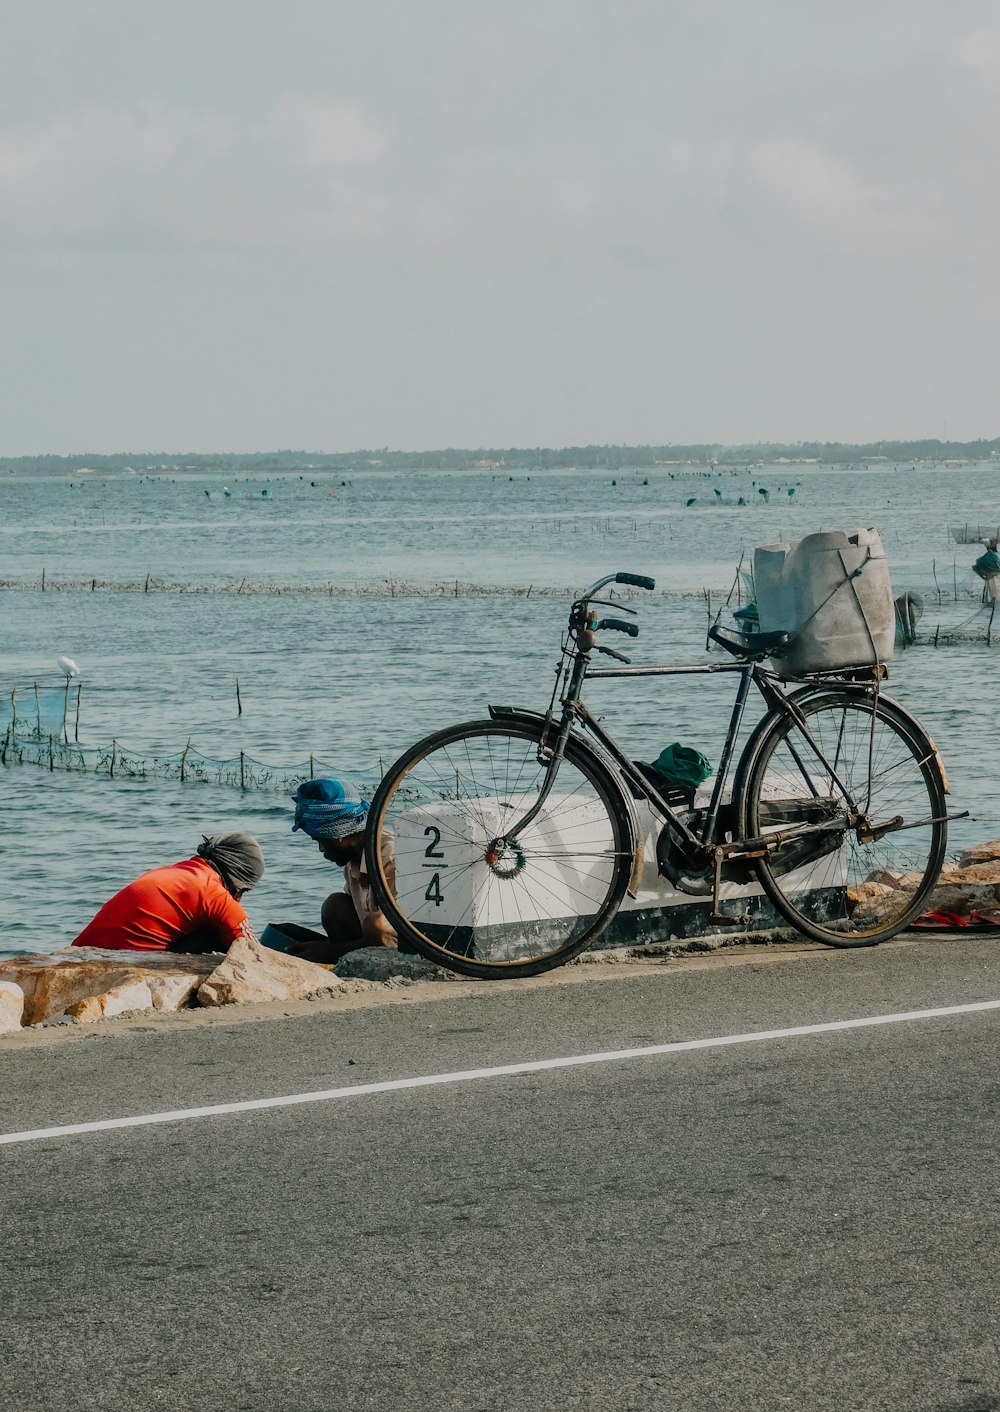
{"x": 532, "y": 1066}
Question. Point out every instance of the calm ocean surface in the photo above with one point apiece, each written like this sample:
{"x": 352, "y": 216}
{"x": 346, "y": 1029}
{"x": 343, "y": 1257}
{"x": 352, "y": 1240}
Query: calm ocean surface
{"x": 358, "y": 674}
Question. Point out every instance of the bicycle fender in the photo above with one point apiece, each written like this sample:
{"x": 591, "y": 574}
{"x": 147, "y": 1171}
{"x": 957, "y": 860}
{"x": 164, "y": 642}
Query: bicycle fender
{"x": 519, "y": 713}
{"x": 635, "y": 841}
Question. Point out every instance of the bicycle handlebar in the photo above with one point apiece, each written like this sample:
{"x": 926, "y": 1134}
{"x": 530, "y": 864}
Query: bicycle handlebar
{"x": 635, "y": 580}
{"x": 617, "y": 625}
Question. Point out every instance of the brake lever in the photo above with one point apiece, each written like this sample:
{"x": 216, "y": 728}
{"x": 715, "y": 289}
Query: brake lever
{"x": 610, "y": 652}
{"x": 616, "y": 603}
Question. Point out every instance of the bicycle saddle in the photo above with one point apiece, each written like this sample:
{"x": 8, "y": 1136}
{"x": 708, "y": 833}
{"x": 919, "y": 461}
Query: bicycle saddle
{"x": 750, "y": 644}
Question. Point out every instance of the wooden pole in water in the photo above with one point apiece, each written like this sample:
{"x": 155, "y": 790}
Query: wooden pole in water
{"x": 66, "y": 712}
{"x": 38, "y": 712}
{"x": 184, "y": 755}
{"x": 114, "y": 747}
{"x": 76, "y": 727}
{"x": 6, "y": 745}
{"x": 243, "y": 778}
{"x": 312, "y": 766}
{"x": 43, "y": 580}
{"x": 239, "y": 703}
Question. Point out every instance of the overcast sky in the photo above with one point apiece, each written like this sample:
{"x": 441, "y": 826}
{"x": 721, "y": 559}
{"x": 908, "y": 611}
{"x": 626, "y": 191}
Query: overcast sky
{"x": 238, "y": 224}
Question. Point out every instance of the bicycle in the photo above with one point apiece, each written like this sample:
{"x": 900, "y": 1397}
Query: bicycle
{"x": 517, "y": 837}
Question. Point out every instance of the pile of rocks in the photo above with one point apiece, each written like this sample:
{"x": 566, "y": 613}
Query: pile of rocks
{"x": 84, "y": 984}
{"x": 970, "y": 885}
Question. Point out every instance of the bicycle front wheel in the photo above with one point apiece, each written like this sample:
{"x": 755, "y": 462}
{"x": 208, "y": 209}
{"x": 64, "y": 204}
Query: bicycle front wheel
{"x": 463, "y": 893}
{"x": 860, "y": 799}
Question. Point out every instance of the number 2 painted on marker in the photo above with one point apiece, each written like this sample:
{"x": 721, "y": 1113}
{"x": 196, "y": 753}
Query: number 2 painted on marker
{"x": 431, "y": 851}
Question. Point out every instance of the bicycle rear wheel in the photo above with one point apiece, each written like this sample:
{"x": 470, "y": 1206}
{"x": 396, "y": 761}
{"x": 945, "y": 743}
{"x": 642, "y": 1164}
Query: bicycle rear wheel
{"x": 466, "y": 896}
{"x": 863, "y": 813}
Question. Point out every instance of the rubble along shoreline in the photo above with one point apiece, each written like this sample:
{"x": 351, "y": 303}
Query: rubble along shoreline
{"x": 83, "y": 985}
{"x": 80, "y": 986}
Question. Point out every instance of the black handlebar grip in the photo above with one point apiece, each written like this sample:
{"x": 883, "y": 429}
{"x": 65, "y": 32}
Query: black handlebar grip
{"x": 617, "y": 625}
{"x": 636, "y": 580}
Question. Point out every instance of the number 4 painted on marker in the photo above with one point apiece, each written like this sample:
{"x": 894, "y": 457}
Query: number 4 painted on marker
{"x": 433, "y": 893}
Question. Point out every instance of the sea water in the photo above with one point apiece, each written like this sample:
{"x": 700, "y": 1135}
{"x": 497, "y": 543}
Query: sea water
{"x": 362, "y": 611}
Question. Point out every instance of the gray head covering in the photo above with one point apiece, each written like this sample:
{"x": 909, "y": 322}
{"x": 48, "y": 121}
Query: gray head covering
{"x": 237, "y": 856}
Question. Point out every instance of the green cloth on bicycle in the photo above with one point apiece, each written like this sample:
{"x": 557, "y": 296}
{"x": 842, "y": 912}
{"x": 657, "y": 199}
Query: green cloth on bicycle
{"x": 682, "y": 766}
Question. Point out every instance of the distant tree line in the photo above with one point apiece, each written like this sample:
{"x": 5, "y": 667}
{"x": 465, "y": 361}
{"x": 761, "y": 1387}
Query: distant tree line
{"x": 488, "y": 459}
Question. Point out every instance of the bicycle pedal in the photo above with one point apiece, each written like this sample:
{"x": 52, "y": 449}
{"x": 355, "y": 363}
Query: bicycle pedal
{"x": 743, "y": 920}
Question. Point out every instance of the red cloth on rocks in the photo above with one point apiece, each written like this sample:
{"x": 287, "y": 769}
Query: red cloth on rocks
{"x": 164, "y": 906}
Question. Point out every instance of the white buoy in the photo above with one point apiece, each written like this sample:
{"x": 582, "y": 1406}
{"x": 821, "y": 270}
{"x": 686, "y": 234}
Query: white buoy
{"x": 68, "y": 666}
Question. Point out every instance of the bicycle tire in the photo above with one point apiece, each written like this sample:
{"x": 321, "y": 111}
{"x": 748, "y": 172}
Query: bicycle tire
{"x": 843, "y": 886}
{"x": 505, "y": 910}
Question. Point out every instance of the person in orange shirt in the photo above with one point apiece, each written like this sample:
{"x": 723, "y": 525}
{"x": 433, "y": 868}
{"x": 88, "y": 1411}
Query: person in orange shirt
{"x": 189, "y": 906}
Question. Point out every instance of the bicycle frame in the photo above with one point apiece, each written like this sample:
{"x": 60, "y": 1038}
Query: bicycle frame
{"x": 700, "y": 852}
{"x": 750, "y": 672}
{"x": 552, "y": 822}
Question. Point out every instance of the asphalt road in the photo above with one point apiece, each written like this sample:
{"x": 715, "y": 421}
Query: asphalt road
{"x": 803, "y": 1223}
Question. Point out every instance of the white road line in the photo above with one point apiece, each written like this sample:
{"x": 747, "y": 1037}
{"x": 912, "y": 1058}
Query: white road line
{"x": 532, "y": 1066}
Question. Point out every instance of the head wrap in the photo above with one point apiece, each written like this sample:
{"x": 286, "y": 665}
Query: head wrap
{"x": 237, "y": 856}
{"x": 329, "y": 809}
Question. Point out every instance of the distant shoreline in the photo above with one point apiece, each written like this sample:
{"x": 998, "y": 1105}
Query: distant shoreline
{"x": 493, "y": 460}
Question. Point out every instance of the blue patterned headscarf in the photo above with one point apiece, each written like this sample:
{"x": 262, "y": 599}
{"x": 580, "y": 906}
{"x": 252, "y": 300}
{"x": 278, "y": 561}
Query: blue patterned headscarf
{"x": 329, "y": 809}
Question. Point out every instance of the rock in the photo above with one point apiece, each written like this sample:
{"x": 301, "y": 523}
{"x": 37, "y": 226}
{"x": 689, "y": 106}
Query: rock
{"x": 58, "y": 981}
{"x": 62, "y": 987}
{"x": 382, "y": 963}
{"x": 173, "y": 992}
{"x": 972, "y": 884}
{"x": 133, "y": 994}
{"x": 251, "y": 972}
{"x": 987, "y": 871}
{"x": 866, "y": 899}
{"x": 980, "y": 853}
{"x": 11, "y": 1007}
{"x": 873, "y": 890}
{"x": 886, "y": 878}
{"x": 963, "y": 898}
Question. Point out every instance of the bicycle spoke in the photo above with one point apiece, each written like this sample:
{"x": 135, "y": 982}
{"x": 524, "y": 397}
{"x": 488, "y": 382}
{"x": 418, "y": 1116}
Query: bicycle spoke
{"x": 463, "y": 888}
{"x": 865, "y": 888}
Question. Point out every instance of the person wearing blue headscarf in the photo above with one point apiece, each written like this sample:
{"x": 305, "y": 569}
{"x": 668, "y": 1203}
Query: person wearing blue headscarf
{"x": 333, "y": 813}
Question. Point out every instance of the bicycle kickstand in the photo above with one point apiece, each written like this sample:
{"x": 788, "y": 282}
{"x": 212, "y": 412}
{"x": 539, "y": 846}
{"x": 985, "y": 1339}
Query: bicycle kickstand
{"x": 719, "y": 855}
